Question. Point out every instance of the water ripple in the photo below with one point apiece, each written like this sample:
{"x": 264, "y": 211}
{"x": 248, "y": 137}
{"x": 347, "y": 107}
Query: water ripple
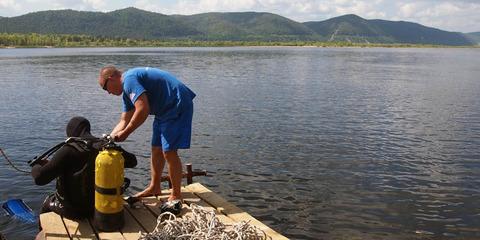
{"x": 317, "y": 143}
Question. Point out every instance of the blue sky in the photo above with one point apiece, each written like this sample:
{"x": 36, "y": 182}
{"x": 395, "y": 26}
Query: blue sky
{"x": 450, "y": 15}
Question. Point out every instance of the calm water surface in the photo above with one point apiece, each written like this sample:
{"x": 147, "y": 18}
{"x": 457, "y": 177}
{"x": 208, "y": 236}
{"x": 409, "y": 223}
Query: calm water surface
{"x": 317, "y": 143}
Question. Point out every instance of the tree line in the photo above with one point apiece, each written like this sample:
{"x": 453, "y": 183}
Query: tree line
{"x": 60, "y": 40}
{"x": 70, "y": 40}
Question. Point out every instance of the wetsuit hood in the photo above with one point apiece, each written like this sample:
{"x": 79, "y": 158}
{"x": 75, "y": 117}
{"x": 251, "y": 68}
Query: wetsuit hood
{"x": 78, "y": 127}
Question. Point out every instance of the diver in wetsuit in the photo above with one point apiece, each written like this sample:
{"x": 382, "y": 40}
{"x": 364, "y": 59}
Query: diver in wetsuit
{"x": 73, "y": 165}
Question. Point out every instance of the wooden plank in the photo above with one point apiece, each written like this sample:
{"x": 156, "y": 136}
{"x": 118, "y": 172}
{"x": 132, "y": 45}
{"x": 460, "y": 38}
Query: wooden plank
{"x": 149, "y": 200}
{"x": 189, "y": 197}
{"x": 229, "y": 209}
{"x": 131, "y": 230}
{"x": 79, "y": 229}
{"x": 144, "y": 217}
{"x": 109, "y": 235}
{"x": 52, "y": 226}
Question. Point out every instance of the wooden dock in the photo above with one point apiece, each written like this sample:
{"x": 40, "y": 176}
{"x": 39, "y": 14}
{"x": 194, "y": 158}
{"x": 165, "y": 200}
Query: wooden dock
{"x": 143, "y": 217}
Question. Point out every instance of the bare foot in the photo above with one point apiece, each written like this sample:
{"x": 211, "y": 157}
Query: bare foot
{"x": 171, "y": 198}
{"x": 148, "y": 192}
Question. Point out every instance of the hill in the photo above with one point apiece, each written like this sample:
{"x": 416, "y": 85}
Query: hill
{"x": 350, "y": 28}
{"x": 353, "y": 28}
{"x": 247, "y": 26}
{"x": 125, "y": 23}
{"x": 238, "y": 26}
{"x": 474, "y": 36}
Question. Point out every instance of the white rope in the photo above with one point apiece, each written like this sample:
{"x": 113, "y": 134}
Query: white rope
{"x": 201, "y": 224}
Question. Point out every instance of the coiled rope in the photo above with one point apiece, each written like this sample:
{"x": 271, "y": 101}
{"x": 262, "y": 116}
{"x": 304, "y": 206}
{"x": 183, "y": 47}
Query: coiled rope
{"x": 11, "y": 163}
{"x": 201, "y": 224}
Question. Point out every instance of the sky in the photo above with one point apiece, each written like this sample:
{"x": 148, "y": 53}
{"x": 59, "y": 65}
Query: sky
{"x": 449, "y": 15}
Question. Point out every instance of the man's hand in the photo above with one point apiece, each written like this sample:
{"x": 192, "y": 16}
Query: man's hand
{"x": 120, "y": 136}
{"x": 122, "y": 124}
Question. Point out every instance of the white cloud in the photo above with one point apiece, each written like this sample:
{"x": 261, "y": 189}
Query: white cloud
{"x": 95, "y": 4}
{"x": 341, "y": 2}
{"x": 408, "y": 10}
{"x": 9, "y": 4}
{"x": 446, "y": 15}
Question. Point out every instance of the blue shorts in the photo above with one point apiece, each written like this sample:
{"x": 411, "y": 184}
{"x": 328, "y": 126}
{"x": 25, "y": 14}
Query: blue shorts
{"x": 174, "y": 133}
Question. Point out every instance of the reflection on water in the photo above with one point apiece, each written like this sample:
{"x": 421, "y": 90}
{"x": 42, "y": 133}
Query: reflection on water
{"x": 317, "y": 143}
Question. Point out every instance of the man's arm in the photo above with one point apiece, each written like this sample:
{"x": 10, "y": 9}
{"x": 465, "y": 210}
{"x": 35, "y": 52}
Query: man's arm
{"x": 122, "y": 124}
{"x": 43, "y": 174}
{"x": 140, "y": 114}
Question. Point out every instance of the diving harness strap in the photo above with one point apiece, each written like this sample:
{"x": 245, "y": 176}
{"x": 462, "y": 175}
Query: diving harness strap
{"x": 105, "y": 138}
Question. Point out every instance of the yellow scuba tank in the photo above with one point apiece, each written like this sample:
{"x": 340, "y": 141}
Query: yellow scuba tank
{"x": 109, "y": 178}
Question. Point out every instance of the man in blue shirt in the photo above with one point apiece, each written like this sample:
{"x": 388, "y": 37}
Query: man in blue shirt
{"x": 152, "y": 91}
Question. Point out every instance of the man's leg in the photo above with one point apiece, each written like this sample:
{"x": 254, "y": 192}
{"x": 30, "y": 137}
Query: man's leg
{"x": 176, "y": 134}
{"x": 175, "y": 173}
{"x": 157, "y": 162}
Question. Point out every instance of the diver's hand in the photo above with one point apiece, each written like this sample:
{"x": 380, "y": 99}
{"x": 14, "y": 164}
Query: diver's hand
{"x": 120, "y": 136}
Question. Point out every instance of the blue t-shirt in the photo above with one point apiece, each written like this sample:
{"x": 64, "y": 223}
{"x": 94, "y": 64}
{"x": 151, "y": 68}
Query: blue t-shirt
{"x": 167, "y": 96}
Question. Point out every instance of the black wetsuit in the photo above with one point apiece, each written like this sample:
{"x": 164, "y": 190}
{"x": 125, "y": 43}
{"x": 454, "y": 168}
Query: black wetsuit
{"x": 74, "y": 167}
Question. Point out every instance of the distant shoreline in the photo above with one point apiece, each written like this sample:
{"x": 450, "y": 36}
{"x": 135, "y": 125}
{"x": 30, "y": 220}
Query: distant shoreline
{"x": 33, "y": 40}
{"x": 316, "y": 45}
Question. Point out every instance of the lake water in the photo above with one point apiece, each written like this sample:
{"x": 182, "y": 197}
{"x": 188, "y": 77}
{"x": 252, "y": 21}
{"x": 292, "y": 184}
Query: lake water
{"x": 318, "y": 143}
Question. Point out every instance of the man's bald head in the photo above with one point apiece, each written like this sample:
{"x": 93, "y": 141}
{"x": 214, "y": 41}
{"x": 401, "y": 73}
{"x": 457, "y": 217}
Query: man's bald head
{"x": 107, "y": 72}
